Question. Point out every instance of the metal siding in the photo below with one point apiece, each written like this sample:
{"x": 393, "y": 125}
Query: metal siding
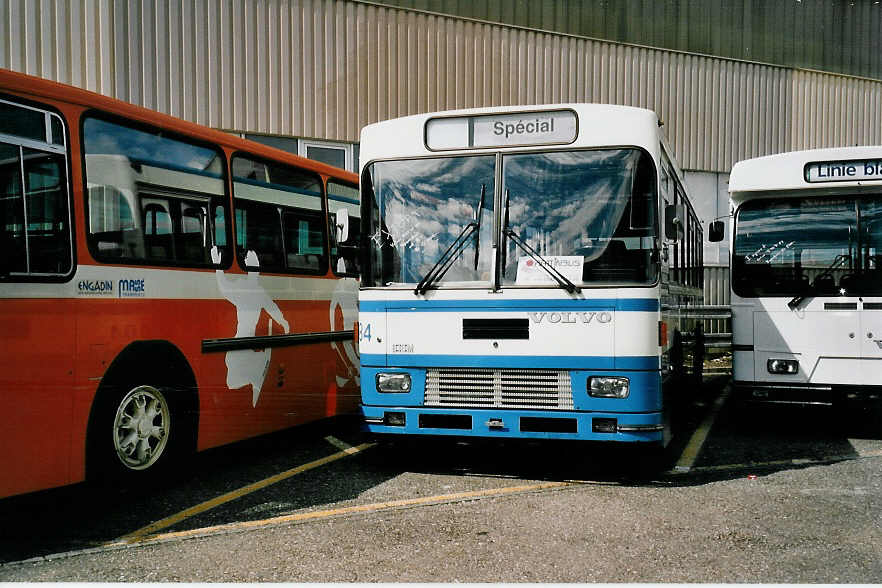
{"x": 840, "y": 36}
{"x": 717, "y": 293}
{"x": 325, "y": 68}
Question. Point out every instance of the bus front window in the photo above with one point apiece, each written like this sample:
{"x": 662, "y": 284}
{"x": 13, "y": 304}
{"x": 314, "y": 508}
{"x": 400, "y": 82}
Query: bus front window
{"x": 826, "y": 246}
{"x": 418, "y": 209}
{"x": 590, "y": 214}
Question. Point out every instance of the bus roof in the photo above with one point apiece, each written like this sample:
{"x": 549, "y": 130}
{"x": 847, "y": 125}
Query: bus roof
{"x": 40, "y": 89}
{"x": 813, "y": 169}
{"x": 597, "y": 125}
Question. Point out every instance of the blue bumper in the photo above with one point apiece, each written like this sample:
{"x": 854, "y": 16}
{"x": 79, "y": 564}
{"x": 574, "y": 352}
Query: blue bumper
{"x": 522, "y": 424}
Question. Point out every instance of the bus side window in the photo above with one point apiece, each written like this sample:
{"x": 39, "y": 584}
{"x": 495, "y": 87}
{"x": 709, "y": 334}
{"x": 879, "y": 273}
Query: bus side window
{"x": 170, "y": 183}
{"x": 343, "y": 199}
{"x": 46, "y": 195}
{"x": 258, "y": 229}
{"x": 279, "y": 216}
{"x": 304, "y": 247}
{"x": 112, "y": 224}
{"x": 219, "y": 232}
{"x": 193, "y": 241}
{"x": 35, "y": 231}
{"x": 157, "y": 232}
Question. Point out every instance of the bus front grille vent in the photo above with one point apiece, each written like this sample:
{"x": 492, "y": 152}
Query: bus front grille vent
{"x": 499, "y": 388}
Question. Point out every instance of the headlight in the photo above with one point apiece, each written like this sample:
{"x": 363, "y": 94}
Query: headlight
{"x": 393, "y": 383}
{"x": 608, "y": 387}
{"x": 782, "y": 366}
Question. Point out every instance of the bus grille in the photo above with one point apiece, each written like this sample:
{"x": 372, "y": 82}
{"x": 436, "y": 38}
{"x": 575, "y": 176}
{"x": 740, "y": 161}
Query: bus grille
{"x": 502, "y": 388}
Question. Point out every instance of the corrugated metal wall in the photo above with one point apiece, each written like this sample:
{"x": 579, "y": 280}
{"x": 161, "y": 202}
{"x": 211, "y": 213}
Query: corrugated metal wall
{"x": 843, "y": 36}
{"x": 325, "y": 68}
{"x": 717, "y": 293}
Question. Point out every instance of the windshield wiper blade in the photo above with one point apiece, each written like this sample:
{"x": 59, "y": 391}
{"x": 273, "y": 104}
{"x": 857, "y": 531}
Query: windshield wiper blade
{"x": 797, "y": 300}
{"x": 561, "y": 279}
{"x": 446, "y": 261}
{"x": 504, "y": 252}
{"x": 478, "y": 215}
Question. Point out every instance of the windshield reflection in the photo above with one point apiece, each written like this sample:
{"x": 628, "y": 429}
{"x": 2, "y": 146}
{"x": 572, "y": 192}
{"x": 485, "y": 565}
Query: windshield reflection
{"x": 817, "y": 246}
{"x": 419, "y": 208}
{"x": 589, "y": 214}
{"x": 589, "y": 210}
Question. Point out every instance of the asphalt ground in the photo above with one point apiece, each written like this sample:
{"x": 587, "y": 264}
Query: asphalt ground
{"x": 779, "y": 496}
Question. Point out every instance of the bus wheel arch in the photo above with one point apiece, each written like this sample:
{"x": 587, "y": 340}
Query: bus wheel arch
{"x": 149, "y": 391}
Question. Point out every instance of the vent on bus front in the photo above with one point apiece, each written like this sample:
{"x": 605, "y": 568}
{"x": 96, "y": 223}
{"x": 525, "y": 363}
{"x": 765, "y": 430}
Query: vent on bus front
{"x": 499, "y": 388}
{"x": 514, "y": 328}
{"x": 840, "y": 306}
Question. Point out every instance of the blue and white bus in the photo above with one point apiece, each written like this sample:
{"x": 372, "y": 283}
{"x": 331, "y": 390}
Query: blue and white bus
{"x": 516, "y": 279}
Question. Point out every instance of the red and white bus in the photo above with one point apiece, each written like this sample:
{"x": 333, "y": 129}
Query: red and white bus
{"x": 164, "y": 287}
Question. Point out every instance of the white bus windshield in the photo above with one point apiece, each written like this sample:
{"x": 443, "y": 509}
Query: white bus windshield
{"x": 829, "y": 246}
{"x": 590, "y": 214}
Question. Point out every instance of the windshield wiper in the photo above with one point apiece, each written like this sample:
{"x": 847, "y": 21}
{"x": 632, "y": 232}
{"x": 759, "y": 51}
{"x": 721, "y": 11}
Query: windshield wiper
{"x": 561, "y": 279}
{"x": 478, "y": 215}
{"x": 446, "y": 261}
{"x": 797, "y": 300}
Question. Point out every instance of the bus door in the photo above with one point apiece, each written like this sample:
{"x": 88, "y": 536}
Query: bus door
{"x": 37, "y": 361}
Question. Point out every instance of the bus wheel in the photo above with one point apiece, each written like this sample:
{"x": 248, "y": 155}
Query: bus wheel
{"x": 135, "y": 432}
{"x": 141, "y": 427}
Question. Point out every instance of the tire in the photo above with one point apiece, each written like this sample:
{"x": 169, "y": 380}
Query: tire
{"x": 142, "y": 424}
{"x": 134, "y": 434}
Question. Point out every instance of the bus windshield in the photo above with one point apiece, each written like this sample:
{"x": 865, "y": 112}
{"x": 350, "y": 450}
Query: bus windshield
{"x": 829, "y": 246}
{"x": 589, "y": 214}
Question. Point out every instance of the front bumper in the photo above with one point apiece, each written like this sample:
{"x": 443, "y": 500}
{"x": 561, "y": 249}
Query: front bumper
{"x": 525, "y": 424}
{"x": 805, "y": 394}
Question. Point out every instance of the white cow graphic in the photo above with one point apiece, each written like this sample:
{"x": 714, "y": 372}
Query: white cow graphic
{"x": 245, "y": 366}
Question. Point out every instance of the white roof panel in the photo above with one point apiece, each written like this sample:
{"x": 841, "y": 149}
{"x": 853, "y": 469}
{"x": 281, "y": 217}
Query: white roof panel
{"x": 815, "y": 169}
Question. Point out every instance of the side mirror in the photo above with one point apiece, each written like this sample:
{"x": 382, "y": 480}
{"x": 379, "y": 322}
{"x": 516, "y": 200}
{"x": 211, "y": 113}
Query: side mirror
{"x": 342, "y": 225}
{"x": 715, "y": 231}
{"x": 674, "y": 214}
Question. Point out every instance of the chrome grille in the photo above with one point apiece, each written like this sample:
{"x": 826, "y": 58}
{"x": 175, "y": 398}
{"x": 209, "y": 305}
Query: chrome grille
{"x": 499, "y": 388}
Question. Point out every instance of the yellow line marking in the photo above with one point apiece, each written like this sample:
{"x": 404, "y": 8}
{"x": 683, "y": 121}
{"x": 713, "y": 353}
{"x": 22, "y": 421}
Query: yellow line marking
{"x": 361, "y": 508}
{"x": 235, "y": 494}
{"x": 341, "y": 445}
{"x": 693, "y": 448}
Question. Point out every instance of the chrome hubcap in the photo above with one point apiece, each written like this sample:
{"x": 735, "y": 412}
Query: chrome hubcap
{"x": 140, "y": 429}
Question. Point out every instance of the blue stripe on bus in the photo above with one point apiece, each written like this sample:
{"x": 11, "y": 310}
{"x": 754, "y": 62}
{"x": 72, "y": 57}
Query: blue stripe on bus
{"x": 621, "y": 304}
{"x": 571, "y": 362}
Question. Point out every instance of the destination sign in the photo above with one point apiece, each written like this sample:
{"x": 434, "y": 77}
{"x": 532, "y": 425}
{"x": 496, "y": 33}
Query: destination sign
{"x": 843, "y": 171}
{"x": 502, "y": 130}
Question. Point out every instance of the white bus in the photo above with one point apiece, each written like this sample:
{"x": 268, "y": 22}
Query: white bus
{"x": 807, "y": 276}
{"x": 515, "y": 279}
